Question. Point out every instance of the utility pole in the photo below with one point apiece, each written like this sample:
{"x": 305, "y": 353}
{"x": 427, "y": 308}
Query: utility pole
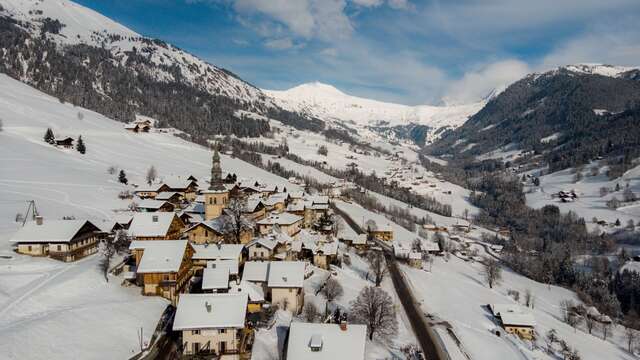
{"x": 34, "y": 212}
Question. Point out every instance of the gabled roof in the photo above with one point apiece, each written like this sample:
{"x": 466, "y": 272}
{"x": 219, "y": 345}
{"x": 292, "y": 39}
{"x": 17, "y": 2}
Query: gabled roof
{"x": 151, "y": 224}
{"x": 195, "y": 208}
{"x": 210, "y": 311}
{"x": 253, "y": 205}
{"x": 149, "y": 188}
{"x": 166, "y": 195}
{"x": 319, "y": 199}
{"x": 217, "y": 251}
{"x": 215, "y": 278}
{"x": 51, "y": 231}
{"x": 266, "y": 242}
{"x": 296, "y": 206}
{"x": 284, "y": 218}
{"x": 329, "y": 341}
{"x": 222, "y": 224}
{"x": 232, "y": 265}
{"x": 160, "y": 256}
{"x": 517, "y": 319}
{"x": 286, "y": 274}
{"x": 255, "y": 292}
{"x": 150, "y": 204}
{"x": 256, "y": 271}
{"x": 179, "y": 183}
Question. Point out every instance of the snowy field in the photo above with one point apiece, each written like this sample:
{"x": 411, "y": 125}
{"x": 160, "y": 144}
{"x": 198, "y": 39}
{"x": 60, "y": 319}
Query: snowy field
{"x": 46, "y": 304}
{"x": 589, "y": 203}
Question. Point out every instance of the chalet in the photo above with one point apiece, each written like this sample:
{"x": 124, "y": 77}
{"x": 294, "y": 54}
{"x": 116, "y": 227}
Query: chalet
{"x": 66, "y": 142}
{"x": 324, "y": 254}
{"x": 211, "y": 324}
{"x": 218, "y": 230}
{"x": 215, "y": 278}
{"x": 255, "y": 293}
{"x": 255, "y": 209}
{"x": 163, "y": 267}
{"x": 276, "y": 203}
{"x": 326, "y": 341}
{"x": 415, "y": 259}
{"x": 156, "y": 226}
{"x": 206, "y": 253}
{"x": 185, "y": 187}
{"x": 262, "y": 248}
{"x": 256, "y": 272}
{"x": 151, "y": 205}
{"x": 65, "y": 240}
{"x": 286, "y": 284}
{"x": 430, "y": 247}
{"x": 172, "y": 197}
{"x": 514, "y": 320}
{"x": 137, "y": 128}
{"x": 382, "y": 233}
{"x": 150, "y": 191}
{"x": 287, "y": 222}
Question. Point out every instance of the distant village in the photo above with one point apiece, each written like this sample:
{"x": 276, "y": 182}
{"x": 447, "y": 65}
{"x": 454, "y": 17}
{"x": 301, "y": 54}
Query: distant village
{"x": 227, "y": 254}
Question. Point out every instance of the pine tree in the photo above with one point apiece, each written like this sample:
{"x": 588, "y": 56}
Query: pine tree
{"x": 48, "y": 136}
{"x": 122, "y": 177}
{"x": 80, "y": 146}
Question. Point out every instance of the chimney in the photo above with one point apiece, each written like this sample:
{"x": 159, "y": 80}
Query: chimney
{"x": 343, "y": 325}
{"x": 207, "y": 304}
{"x": 39, "y": 220}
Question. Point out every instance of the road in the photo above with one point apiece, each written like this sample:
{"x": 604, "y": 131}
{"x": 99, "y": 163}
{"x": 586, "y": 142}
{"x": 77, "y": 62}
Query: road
{"x": 426, "y": 336}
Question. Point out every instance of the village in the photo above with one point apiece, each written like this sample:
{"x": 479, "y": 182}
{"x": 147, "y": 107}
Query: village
{"x": 227, "y": 255}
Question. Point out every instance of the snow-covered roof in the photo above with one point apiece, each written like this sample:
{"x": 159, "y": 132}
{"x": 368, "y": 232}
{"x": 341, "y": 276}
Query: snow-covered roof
{"x": 329, "y": 341}
{"x": 414, "y": 255}
{"x": 517, "y": 319}
{"x": 319, "y": 199}
{"x": 160, "y": 256}
{"x": 256, "y": 271}
{"x": 179, "y": 183}
{"x": 252, "y": 204}
{"x": 497, "y": 309}
{"x": 232, "y": 265}
{"x": 166, "y": 195}
{"x": 361, "y": 239}
{"x": 255, "y": 291}
{"x": 631, "y": 266}
{"x": 151, "y": 224}
{"x": 195, "y": 208}
{"x": 286, "y": 274}
{"x": 266, "y": 242}
{"x": 210, "y": 311}
{"x": 51, "y": 231}
{"x": 284, "y": 218}
{"x": 296, "y": 206}
{"x": 217, "y": 251}
{"x": 215, "y": 278}
{"x": 427, "y": 245}
{"x": 150, "y": 204}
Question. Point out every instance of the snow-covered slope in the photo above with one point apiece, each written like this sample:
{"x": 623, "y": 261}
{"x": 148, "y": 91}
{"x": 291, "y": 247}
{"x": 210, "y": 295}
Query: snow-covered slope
{"x": 81, "y": 25}
{"x": 599, "y": 69}
{"x": 328, "y": 103}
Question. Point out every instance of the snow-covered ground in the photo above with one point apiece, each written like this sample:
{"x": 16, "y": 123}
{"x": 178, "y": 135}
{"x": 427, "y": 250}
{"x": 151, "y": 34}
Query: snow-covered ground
{"x": 589, "y": 203}
{"x": 46, "y": 304}
{"x": 353, "y": 279}
{"x": 455, "y": 291}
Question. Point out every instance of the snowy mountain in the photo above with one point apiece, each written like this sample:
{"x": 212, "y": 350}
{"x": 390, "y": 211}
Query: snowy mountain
{"x": 330, "y": 104}
{"x": 571, "y": 115}
{"x": 82, "y": 57}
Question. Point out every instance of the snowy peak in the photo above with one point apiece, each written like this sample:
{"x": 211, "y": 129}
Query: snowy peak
{"x": 598, "y": 69}
{"x": 330, "y": 104}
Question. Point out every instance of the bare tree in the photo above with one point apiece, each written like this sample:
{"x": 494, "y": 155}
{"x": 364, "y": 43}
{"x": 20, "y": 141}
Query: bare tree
{"x": 374, "y": 307}
{"x": 589, "y": 322}
{"x": 631, "y": 335}
{"x": 492, "y": 272}
{"x": 378, "y": 266}
{"x": 152, "y": 174}
{"x": 331, "y": 291}
{"x": 550, "y": 339}
{"x": 310, "y": 312}
{"x": 107, "y": 252}
{"x": 235, "y": 220}
{"x": 528, "y": 298}
{"x": 606, "y": 328}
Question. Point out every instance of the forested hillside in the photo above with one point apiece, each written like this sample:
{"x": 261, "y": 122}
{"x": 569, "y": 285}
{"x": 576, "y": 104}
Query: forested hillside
{"x": 569, "y": 116}
{"x": 120, "y": 74}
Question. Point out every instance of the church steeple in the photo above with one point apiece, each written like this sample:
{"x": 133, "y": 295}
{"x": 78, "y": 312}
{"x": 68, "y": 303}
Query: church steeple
{"x": 216, "y": 172}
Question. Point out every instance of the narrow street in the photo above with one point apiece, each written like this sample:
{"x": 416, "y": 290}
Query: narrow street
{"x": 428, "y": 339}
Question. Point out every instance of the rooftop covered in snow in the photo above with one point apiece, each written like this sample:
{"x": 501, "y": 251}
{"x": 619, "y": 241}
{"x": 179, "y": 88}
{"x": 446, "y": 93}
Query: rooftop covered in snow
{"x": 326, "y": 341}
{"x": 210, "y": 311}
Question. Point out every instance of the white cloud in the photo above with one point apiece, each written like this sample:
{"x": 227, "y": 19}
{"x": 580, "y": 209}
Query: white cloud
{"x": 279, "y": 44}
{"x": 475, "y": 85}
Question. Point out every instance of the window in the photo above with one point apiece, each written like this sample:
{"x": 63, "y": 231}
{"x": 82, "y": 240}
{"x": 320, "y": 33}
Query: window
{"x": 59, "y": 247}
{"x": 223, "y": 331}
{"x": 290, "y": 290}
{"x": 222, "y": 347}
{"x": 215, "y": 201}
{"x": 195, "y": 332}
{"x": 206, "y": 233}
{"x": 210, "y": 201}
{"x": 29, "y": 247}
{"x": 196, "y": 348}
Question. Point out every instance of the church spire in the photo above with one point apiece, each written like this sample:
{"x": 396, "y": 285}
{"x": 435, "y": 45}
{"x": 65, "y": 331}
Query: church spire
{"x": 216, "y": 172}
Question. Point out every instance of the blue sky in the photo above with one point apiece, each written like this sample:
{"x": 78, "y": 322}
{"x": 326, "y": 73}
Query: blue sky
{"x": 405, "y": 51}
